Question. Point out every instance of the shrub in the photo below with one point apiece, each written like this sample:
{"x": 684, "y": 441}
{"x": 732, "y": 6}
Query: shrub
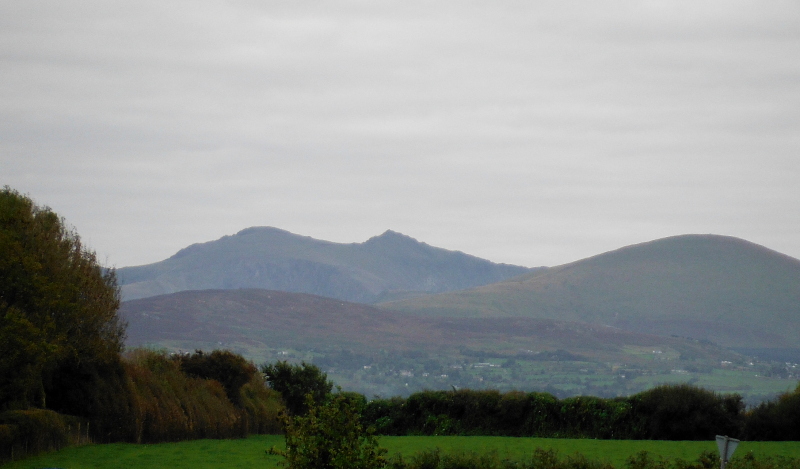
{"x": 685, "y": 412}
{"x": 28, "y": 432}
{"x": 330, "y": 435}
{"x": 261, "y": 406}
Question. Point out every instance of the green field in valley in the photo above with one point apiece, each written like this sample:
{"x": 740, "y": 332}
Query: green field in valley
{"x": 250, "y": 453}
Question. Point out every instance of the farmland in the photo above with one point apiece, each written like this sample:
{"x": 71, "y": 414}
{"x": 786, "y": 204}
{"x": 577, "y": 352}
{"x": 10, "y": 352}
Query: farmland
{"x": 249, "y": 453}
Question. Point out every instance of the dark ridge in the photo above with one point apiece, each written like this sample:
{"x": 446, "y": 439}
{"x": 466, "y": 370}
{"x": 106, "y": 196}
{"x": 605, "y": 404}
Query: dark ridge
{"x": 388, "y": 266}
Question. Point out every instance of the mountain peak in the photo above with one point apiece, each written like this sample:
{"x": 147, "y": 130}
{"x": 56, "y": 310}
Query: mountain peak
{"x": 387, "y": 266}
{"x": 391, "y": 235}
{"x": 261, "y": 230}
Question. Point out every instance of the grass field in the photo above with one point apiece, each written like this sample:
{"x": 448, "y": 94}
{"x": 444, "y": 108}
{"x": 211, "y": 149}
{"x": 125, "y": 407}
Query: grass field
{"x": 249, "y": 453}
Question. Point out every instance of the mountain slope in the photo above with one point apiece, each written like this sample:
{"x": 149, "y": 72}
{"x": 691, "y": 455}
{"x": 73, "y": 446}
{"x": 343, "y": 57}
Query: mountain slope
{"x": 253, "y": 319}
{"x": 719, "y": 288}
{"x": 388, "y": 266}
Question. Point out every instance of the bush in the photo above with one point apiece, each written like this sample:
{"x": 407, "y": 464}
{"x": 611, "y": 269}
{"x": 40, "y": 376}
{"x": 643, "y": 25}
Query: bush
{"x": 593, "y": 417}
{"x": 330, "y": 435}
{"x": 169, "y": 405}
{"x": 28, "y": 432}
{"x": 261, "y": 406}
{"x": 685, "y": 412}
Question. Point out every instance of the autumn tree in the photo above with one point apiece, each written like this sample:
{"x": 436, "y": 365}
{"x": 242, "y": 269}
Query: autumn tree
{"x": 230, "y": 369}
{"x": 60, "y": 335}
{"x": 294, "y": 382}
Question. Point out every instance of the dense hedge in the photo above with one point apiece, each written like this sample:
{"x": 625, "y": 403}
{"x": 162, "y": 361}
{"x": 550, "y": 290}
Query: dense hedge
{"x": 156, "y": 397}
{"x": 681, "y": 412}
{"x": 32, "y": 431}
{"x": 172, "y": 405}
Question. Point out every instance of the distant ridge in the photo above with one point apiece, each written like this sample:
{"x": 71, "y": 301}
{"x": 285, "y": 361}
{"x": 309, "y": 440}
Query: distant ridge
{"x": 385, "y": 267}
{"x": 718, "y": 288}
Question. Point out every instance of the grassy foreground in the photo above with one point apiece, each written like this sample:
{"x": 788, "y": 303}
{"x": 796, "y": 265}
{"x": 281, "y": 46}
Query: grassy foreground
{"x": 249, "y": 453}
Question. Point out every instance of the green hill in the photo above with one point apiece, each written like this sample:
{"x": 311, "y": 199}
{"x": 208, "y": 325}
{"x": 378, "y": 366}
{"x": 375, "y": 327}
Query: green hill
{"x": 378, "y": 351}
{"x": 384, "y": 267}
{"x": 723, "y": 289}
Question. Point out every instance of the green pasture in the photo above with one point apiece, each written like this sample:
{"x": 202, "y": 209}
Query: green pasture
{"x": 250, "y": 452}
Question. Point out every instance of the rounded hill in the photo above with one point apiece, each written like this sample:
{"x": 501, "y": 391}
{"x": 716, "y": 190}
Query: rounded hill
{"x": 717, "y": 288}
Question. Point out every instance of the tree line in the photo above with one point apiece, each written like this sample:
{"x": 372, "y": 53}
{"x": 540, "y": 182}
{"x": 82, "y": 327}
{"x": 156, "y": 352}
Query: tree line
{"x": 667, "y": 412}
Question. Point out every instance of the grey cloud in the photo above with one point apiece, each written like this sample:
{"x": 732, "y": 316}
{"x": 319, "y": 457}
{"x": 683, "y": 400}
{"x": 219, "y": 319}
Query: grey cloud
{"x": 526, "y": 133}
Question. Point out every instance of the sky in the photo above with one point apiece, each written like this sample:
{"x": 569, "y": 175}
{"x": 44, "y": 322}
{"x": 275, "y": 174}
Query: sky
{"x": 530, "y": 133}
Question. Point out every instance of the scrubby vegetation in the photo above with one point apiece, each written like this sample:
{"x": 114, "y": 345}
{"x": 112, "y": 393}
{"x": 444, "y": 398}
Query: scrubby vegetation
{"x": 667, "y": 412}
{"x": 169, "y": 404}
{"x": 159, "y": 402}
{"x": 330, "y": 435}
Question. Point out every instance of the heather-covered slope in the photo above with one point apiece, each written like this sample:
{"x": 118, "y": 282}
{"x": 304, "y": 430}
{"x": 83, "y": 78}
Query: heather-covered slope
{"x": 724, "y": 289}
{"x": 388, "y": 266}
{"x": 249, "y": 320}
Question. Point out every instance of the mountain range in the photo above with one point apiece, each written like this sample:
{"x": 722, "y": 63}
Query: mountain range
{"x": 685, "y": 304}
{"x": 385, "y": 267}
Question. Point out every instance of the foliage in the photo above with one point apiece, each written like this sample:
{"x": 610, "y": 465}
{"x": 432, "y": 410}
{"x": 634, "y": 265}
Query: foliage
{"x": 27, "y": 432}
{"x": 670, "y": 412}
{"x": 170, "y": 405}
{"x": 261, "y": 406}
{"x": 775, "y": 420}
{"x": 294, "y": 382}
{"x": 328, "y": 436}
{"x": 230, "y": 369}
{"x": 685, "y": 412}
{"x": 58, "y": 312}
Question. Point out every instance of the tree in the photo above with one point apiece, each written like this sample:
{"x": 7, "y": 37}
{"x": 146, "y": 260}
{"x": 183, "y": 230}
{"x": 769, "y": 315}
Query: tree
{"x": 230, "y": 369}
{"x": 330, "y": 436}
{"x": 59, "y": 328}
{"x": 295, "y": 381}
{"x": 686, "y": 412}
{"x": 775, "y": 419}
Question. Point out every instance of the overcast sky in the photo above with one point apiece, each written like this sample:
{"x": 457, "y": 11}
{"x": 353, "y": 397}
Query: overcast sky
{"x": 532, "y": 133}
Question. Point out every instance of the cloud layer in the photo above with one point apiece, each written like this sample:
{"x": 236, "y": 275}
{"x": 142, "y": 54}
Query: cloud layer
{"x": 533, "y": 134}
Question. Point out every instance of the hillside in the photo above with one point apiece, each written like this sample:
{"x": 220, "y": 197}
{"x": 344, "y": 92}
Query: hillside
{"x": 296, "y": 320}
{"x": 384, "y": 267}
{"x": 380, "y": 351}
{"x": 727, "y": 290}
